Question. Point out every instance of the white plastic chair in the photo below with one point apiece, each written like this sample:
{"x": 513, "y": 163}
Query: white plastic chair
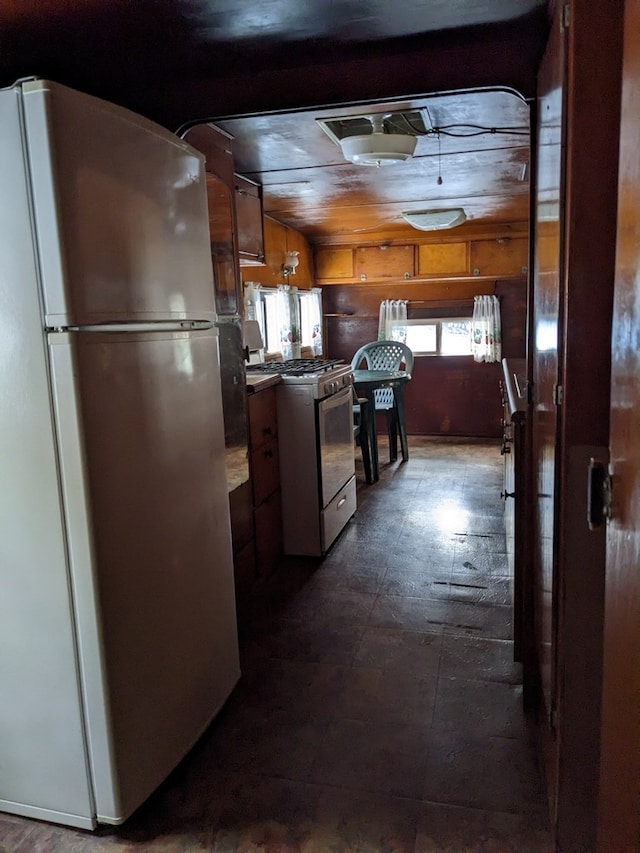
{"x": 388, "y": 355}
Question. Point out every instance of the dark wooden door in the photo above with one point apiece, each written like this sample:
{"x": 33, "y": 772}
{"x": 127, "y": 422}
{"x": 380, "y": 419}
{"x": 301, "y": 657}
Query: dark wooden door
{"x": 545, "y": 365}
{"x": 619, "y": 823}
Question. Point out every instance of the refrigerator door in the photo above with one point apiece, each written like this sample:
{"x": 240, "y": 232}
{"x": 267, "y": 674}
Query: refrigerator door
{"x": 43, "y": 767}
{"x": 120, "y": 211}
{"x": 143, "y": 412}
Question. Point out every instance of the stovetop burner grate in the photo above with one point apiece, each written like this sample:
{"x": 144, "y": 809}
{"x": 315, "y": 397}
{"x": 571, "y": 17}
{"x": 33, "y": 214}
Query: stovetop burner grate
{"x": 295, "y": 366}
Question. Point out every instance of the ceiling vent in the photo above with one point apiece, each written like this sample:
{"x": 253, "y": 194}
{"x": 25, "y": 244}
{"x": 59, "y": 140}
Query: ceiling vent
{"x": 381, "y": 139}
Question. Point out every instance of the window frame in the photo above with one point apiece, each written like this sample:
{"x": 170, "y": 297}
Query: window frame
{"x": 437, "y": 322}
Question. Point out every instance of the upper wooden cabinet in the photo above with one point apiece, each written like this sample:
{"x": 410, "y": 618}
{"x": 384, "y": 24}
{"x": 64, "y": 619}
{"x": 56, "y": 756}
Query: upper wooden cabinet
{"x": 502, "y": 256}
{"x": 216, "y": 146}
{"x": 443, "y": 259}
{"x": 384, "y": 261}
{"x": 334, "y": 263}
{"x": 499, "y": 256}
{"x": 250, "y": 233}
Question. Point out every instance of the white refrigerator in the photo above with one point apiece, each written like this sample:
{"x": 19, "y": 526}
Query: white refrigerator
{"x": 118, "y": 638}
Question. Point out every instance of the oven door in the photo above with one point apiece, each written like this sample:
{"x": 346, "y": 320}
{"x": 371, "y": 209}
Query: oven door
{"x": 335, "y": 437}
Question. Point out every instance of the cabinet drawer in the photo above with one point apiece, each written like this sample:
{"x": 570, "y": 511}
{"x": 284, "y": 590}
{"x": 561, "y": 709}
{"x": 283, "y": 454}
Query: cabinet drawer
{"x": 265, "y": 471}
{"x": 262, "y": 417}
{"x": 335, "y": 516}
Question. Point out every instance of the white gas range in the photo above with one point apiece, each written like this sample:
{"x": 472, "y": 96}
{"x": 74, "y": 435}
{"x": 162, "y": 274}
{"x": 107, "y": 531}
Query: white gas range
{"x": 325, "y": 376}
{"x": 316, "y": 449}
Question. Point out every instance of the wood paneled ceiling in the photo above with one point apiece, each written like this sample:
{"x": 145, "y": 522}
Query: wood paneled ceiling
{"x": 266, "y": 70}
{"x": 474, "y": 155}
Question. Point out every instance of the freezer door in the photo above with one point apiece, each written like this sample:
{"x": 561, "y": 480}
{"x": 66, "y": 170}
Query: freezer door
{"x": 120, "y": 210}
{"x": 150, "y": 413}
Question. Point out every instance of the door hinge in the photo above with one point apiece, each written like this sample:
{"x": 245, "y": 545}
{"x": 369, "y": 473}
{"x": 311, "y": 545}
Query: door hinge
{"x": 558, "y": 395}
{"x": 599, "y": 494}
{"x": 565, "y": 17}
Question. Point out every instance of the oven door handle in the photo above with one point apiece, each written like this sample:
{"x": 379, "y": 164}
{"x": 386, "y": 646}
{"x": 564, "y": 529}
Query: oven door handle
{"x": 337, "y": 399}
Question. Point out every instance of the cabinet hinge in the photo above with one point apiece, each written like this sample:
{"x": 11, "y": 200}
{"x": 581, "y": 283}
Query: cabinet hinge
{"x": 565, "y": 17}
{"x": 558, "y": 395}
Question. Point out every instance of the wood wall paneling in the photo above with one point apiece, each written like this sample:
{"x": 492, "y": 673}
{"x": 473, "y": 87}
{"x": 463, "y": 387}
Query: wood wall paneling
{"x": 447, "y": 396}
{"x": 278, "y": 240}
{"x": 304, "y": 276}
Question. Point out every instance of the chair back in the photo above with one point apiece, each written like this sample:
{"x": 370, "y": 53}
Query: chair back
{"x": 384, "y": 355}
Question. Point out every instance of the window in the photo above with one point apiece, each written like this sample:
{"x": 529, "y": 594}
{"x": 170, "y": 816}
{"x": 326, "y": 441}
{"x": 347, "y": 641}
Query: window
{"x": 267, "y": 317}
{"x": 310, "y": 319}
{"x": 442, "y": 336}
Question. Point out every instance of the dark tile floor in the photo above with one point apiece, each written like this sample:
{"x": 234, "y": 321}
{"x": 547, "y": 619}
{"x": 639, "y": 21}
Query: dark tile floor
{"x": 380, "y": 708}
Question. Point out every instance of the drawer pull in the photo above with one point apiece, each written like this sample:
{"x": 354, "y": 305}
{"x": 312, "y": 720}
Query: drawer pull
{"x": 268, "y": 454}
{"x": 341, "y": 502}
{"x": 266, "y": 431}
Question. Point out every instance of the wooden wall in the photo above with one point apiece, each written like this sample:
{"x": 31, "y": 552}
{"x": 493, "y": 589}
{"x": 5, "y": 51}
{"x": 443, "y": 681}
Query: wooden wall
{"x": 447, "y": 395}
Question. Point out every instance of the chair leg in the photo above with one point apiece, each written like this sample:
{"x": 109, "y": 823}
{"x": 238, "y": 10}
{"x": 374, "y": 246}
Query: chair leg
{"x": 392, "y": 430}
{"x": 366, "y": 455}
{"x": 364, "y": 440}
{"x": 402, "y": 424}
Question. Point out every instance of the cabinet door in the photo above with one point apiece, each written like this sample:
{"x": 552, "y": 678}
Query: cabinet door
{"x": 268, "y": 522}
{"x": 249, "y": 221}
{"x": 376, "y": 262}
{"x": 265, "y": 471}
{"x": 225, "y": 271}
{"x": 334, "y": 263}
{"x": 216, "y": 146}
{"x": 262, "y": 417}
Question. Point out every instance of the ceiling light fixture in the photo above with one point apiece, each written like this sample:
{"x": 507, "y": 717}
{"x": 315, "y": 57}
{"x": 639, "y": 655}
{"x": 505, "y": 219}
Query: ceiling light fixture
{"x": 378, "y": 148}
{"x": 434, "y": 220}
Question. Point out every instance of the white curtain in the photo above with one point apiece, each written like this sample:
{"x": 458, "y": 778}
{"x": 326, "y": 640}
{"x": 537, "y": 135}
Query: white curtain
{"x": 251, "y": 297}
{"x": 289, "y": 320}
{"x": 393, "y": 313}
{"x": 314, "y": 304}
{"x": 486, "y": 333}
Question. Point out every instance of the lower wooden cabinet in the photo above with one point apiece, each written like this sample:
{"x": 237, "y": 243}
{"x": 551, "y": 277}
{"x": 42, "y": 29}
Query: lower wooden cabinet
{"x": 268, "y": 525}
{"x": 265, "y": 480}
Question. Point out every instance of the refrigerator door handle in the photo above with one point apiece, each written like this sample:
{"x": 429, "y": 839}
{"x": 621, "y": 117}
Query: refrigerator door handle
{"x": 151, "y": 326}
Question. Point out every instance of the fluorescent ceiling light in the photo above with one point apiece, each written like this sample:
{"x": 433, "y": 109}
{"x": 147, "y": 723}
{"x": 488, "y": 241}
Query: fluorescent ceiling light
{"x": 378, "y": 149}
{"x": 434, "y": 220}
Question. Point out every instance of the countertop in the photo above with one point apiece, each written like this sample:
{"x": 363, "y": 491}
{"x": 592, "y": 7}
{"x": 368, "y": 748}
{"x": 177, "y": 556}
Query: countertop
{"x": 260, "y": 381}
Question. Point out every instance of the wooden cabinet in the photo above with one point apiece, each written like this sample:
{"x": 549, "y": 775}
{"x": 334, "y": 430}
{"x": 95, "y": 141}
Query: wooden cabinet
{"x": 216, "y": 147}
{"x": 334, "y": 263}
{"x": 499, "y": 256}
{"x": 265, "y": 479}
{"x": 383, "y": 261}
{"x": 250, "y": 232}
{"x": 443, "y": 259}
